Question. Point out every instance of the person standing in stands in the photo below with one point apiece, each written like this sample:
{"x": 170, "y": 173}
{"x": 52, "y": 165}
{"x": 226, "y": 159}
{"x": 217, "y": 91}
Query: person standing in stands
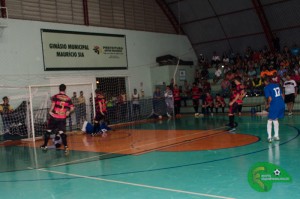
{"x": 275, "y": 104}
{"x": 135, "y": 99}
{"x": 82, "y": 108}
{"x": 169, "y": 100}
{"x": 177, "y": 100}
{"x": 186, "y": 92}
{"x": 5, "y": 110}
{"x": 75, "y": 102}
{"x": 61, "y": 107}
{"x": 122, "y": 105}
{"x": 158, "y": 103}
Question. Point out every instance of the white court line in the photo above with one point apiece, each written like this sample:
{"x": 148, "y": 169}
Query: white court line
{"x": 135, "y": 184}
{"x": 116, "y": 152}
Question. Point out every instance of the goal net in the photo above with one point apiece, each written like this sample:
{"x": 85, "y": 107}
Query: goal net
{"x": 123, "y": 105}
{"x": 40, "y": 102}
{"x": 14, "y": 113}
{"x": 30, "y": 107}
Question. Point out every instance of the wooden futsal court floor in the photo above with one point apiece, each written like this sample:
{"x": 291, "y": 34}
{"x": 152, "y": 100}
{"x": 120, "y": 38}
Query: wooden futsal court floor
{"x": 178, "y": 158}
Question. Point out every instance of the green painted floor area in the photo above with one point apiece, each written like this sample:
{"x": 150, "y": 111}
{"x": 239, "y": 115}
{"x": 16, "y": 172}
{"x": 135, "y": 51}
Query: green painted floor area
{"x": 222, "y": 173}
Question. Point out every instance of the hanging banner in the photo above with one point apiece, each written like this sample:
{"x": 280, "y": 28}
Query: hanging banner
{"x": 65, "y": 50}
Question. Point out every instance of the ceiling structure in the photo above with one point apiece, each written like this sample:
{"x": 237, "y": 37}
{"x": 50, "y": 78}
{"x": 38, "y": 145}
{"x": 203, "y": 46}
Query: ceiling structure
{"x": 233, "y": 25}
{"x": 210, "y": 25}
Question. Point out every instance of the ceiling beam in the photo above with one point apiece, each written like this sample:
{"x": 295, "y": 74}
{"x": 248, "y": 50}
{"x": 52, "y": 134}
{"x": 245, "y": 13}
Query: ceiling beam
{"x": 170, "y": 15}
{"x": 230, "y": 13}
{"x": 264, "y": 23}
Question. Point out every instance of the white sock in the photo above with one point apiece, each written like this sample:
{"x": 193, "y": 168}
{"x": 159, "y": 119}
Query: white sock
{"x": 269, "y": 128}
{"x": 84, "y": 126}
{"x": 276, "y": 128}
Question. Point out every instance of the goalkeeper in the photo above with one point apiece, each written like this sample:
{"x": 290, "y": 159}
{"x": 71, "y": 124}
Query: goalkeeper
{"x": 88, "y": 128}
{"x": 61, "y": 107}
{"x": 56, "y": 142}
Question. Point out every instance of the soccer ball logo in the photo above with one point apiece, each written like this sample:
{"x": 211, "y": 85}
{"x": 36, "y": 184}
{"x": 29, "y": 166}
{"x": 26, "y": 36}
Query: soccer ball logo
{"x": 276, "y": 172}
{"x": 97, "y": 49}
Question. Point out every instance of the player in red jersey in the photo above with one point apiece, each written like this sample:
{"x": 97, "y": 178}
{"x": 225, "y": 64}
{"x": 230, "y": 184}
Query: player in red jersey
{"x": 208, "y": 104}
{"x": 101, "y": 112}
{"x": 219, "y": 102}
{"x": 241, "y": 89}
{"x": 61, "y": 107}
{"x": 233, "y": 105}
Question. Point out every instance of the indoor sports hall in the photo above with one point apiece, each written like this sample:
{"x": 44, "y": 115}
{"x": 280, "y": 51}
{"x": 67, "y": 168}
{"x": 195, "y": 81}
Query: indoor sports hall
{"x": 177, "y": 158}
{"x": 152, "y": 99}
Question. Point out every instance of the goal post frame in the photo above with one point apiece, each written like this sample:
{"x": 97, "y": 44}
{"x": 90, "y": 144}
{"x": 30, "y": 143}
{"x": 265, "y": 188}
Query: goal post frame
{"x": 30, "y": 87}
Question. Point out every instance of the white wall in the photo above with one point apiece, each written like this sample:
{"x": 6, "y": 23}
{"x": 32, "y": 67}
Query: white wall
{"x": 22, "y": 59}
{"x": 164, "y": 74}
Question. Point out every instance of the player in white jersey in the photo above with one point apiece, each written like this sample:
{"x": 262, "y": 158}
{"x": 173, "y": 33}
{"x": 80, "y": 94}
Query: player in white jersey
{"x": 290, "y": 93}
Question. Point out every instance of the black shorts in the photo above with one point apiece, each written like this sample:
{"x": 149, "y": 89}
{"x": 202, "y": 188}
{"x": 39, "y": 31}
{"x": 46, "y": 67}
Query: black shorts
{"x": 240, "y": 107}
{"x": 289, "y": 98}
{"x": 195, "y": 102}
{"x": 233, "y": 108}
{"x": 56, "y": 124}
{"x": 99, "y": 117}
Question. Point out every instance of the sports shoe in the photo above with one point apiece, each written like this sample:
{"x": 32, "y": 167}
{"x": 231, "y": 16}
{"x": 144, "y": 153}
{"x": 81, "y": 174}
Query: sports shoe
{"x": 269, "y": 140}
{"x": 44, "y": 148}
{"x": 102, "y": 132}
{"x": 169, "y": 115}
{"x": 276, "y": 138}
{"x": 231, "y": 129}
{"x": 290, "y": 114}
{"x": 66, "y": 149}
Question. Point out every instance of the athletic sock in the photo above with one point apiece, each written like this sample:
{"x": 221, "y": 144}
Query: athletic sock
{"x": 276, "y": 128}
{"x": 231, "y": 121}
{"x": 269, "y": 128}
{"x": 46, "y": 137}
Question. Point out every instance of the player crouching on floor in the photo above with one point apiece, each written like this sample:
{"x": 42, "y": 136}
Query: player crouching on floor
{"x": 56, "y": 141}
{"x": 88, "y": 128}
